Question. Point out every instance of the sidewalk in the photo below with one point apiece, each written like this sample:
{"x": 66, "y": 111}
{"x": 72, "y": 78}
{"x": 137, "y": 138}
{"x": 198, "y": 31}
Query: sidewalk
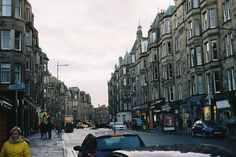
{"x": 46, "y": 148}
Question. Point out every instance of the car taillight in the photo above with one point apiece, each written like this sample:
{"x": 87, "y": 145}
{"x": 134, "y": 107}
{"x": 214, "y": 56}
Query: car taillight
{"x": 90, "y": 155}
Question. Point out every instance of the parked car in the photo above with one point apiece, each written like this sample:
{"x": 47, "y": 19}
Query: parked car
{"x": 119, "y": 126}
{"x": 180, "y": 150}
{"x": 207, "y": 128}
{"x": 69, "y": 128}
{"x": 110, "y": 125}
{"x": 137, "y": 124}
{"x": 100, "y": 145}
{"x": 79, "y": 125}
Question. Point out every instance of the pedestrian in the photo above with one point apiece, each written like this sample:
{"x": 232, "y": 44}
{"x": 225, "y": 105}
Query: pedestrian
{"x": 16, "y": 146}
{"x": 157, "y": 126}
{"x": 189, "y": 125}
{"x": 49, "y": 128}
{"x": 44, "y": 131}
{"x": 180, "y": 123}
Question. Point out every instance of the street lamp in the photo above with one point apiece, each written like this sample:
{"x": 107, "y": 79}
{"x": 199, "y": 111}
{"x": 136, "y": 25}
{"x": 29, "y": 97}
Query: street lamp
{"x": 58, "y": 108}
{"x": 58, "y": 65}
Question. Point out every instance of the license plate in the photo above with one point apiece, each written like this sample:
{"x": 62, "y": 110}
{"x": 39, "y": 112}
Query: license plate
{"x": 217, "y": 133}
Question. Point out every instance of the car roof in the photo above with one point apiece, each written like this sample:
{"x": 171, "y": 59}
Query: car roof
{"x": 111, "y": 134}
{"x": 176, "y": 149}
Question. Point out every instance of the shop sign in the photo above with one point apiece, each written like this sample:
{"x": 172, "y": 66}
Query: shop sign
{"x": 165, "y": 108}
{"x": 17, "y": 86}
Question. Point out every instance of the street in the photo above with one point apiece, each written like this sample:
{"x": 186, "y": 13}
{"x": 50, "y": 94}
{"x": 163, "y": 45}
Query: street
{"x": 150, "y": 139}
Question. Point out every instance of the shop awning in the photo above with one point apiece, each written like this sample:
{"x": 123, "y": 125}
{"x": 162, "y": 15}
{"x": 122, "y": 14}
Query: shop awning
{"x": 5, "y": 104}
{"x": 222, "y": 104}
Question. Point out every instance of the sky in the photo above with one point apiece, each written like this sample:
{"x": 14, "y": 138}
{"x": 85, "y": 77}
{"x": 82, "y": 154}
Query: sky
{"x": 90, "y": 36}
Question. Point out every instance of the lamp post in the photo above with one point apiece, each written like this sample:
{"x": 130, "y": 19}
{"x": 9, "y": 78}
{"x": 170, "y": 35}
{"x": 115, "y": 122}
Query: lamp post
{"x": 58, "y": 65}
{"x": 58, "y": 110}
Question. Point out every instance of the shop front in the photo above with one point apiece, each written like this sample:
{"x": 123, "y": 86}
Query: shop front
{"x": 5, "y": 107}
{"x": 196, "y": 108}
{"x": 223, "y": 112}
{"x": 155, "y": 112}
{"x": 142, "y": 113}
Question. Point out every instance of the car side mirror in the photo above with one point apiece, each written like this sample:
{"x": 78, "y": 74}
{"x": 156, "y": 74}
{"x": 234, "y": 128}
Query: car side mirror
{"x": 77, "y": 148}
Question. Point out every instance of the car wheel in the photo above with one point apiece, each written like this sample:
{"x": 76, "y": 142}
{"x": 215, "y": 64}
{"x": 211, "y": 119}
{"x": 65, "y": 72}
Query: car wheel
{"x": 193, "y": 133}
{"x": 204, "y": 135}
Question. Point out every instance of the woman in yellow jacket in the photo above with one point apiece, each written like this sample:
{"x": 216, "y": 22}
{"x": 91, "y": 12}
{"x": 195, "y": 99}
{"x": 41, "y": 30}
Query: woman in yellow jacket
{"x": 16, "y": 146}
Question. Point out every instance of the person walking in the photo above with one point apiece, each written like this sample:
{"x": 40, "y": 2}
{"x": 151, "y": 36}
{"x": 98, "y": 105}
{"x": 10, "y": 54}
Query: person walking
{"x": 16, "y": 145}
{"x": 158, "y": 127}
{"x": 189, "y": 125}
{"x": 49, "y": 128}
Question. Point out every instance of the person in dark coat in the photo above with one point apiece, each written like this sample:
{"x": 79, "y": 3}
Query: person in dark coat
{"x": 189, "y": 125}
{"x": 49, "y": 127}
{"x": 44, "y": 131}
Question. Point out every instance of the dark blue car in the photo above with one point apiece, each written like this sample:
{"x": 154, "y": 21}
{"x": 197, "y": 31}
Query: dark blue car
{"x": 95, "y": 145}
{"x": 207, "y": 128}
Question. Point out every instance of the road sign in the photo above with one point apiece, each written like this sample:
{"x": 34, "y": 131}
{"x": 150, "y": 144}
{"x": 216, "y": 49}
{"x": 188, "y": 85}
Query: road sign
{"x": 17, "y": 86}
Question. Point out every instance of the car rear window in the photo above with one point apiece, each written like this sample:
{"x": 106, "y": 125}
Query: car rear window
{"x": 118, "y": 142}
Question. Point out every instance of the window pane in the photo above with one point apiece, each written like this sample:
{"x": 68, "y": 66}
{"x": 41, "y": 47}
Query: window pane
{"x": 6, "y": 40}
{"x": 17, "y": 73}
{"x": 214, "y": 49}
{"x": 6, "y": 8}
{"x": 199, "y": 55}
{"x": 5, "y": 73}
{"x": 17, "y": 8}
{"x": 195, "y": 3}
{"x": 212, "y": 18}
{"x": 216, "y": 81}
{"x": 197, "y": 27}
{"x": 17, "y": 40}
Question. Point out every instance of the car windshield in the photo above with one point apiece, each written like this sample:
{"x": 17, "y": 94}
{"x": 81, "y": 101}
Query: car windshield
{"x": 118, "y": 123}
{"x": 119, "y": 142}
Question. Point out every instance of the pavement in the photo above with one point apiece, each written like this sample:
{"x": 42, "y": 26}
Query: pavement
{"x": 46, "y": 148}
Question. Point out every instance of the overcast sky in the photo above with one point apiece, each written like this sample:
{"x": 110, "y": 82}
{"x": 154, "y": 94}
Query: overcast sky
{"x": 90, "y": 35}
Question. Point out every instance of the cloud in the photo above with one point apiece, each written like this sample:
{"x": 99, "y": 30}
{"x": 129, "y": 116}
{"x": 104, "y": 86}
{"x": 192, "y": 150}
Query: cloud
{"x": 90, "y": 35}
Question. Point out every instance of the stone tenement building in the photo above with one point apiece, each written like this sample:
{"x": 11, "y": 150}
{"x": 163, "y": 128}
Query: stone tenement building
{"x": 185, "y": 68}
{"x": 23, "y": 66}
{"x": 79, "y": 105}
